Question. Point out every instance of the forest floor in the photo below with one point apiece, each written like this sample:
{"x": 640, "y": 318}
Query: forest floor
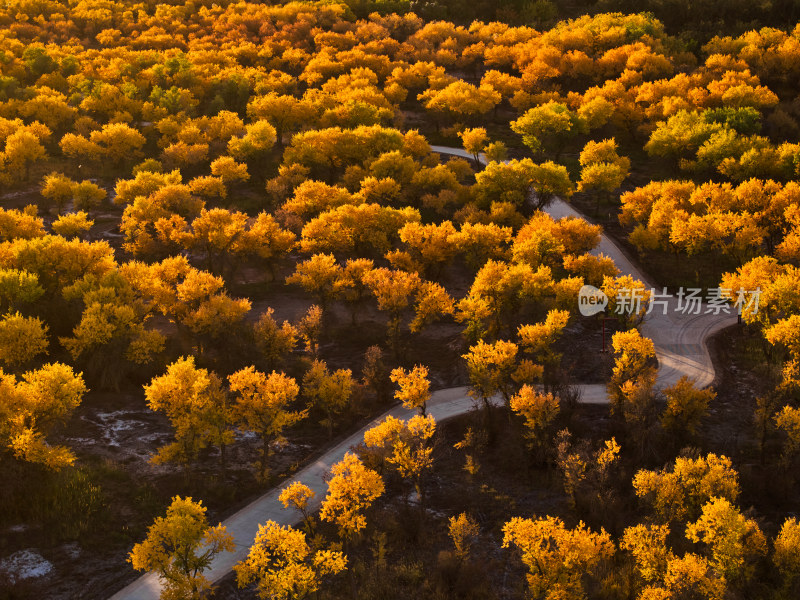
{"x": 114, "y": 435}
{"x": 414, "y": 559}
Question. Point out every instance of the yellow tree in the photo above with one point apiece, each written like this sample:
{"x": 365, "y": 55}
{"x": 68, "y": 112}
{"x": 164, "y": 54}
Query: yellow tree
{"x": 350, "y": 285}
{"x": 21, "y": 339}
{"x": 463, "y": 531}
{"x": 115, "y": 142}
{"x": 351, "y": 491}
{"x": 496, "y": 152}
{"x": 479, "y": 242}
{"x": 57, "y": 263}
{"x": 261, "y": 406}
{"x": 431, "y": 303}
{"x": 283, "y": 566}
{"x": 328, "y": 391}
{"x": 256, "y": 142}
{"x": 194, "y": 299}
{"x": 788, "y": 421}
{"x": 786, "y": 554}
{"x": 602, "y": 169}
{"x": 406, "y": 446}
{"x": 474, "y": 141}
{"x": 274, "y": 341}
{"x": 460, "y": 100}
{"x": 144, "y": 183}
{"x": 679, "y": 493}
{"x": 57, "y": 188}
{"x": 311, "y": 198}
{"x": 627, "y": 297}
{"x": 156, "y": 225}
{"x": 587, "y": 473}
{"x": 500, "y": 292}
{"x": 23, "y": 148}
{"x": 208, "y": 186}
{"x": 18, "y": 288}
{"x": 265, "y": 239}
{"x": 414, "y": 387}
{"x": 680, "y": 135}
{"x": 688, "y": 576}
{"x": 194, "y": 402}
{"x": 217, "y": 234}
{"x": 179, "y": 547}
{"x": 648, "y": 546}
{"x": 539, "y": 411}
{"x": 539, "y": 339}
{"x": 32, "y": 407}
{"x": 543, "y": 240}
{"x": 549, "y": 126}
{"x": 365, "y": 230}
{"x": 634, "y": 358}
{"x": 229, "y": 170}
{"x": 557, "y": 558}
{"x": 735, "y": 542}
{"x": 20, "y": 224}
{"x": 113, "y": 329}
{"x": 686, "y": 407}
{"x": 521, "y": 182}
{"x": 431, "y": 245}
{"x": 297, "y": 495}
{"x": 310, "y": 329}
{"x": 318, "y": 275}
{"x": 286, "y": 113}
{"x": 494, "y": 369}
{"x": 394, "y": 291}
{"x": 72, "y": 225}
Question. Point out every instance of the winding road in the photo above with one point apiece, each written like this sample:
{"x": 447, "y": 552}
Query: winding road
{"x": 679, "y": 339}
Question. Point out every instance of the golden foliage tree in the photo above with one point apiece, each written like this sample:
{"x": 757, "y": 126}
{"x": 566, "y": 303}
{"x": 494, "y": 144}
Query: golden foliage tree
{"x": 406, "y": 445}
{"x": 414, "y": 387}
{"x": 179, "y": 547}
{"x": 298, "y": 495}
{"x": 261, "y": 406}
{"x": 734, "y": 542}
{"x": 557, "y": 558}
{"x": 283, "y": 566}
{"x": 21, "y": 339}
{"x": 328, "y": 391}
{"x": 680, "y": 492}
{"x": 194, "y": 401}
{"x": 33, "y": 406}
{"x": 351, "y": 491}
